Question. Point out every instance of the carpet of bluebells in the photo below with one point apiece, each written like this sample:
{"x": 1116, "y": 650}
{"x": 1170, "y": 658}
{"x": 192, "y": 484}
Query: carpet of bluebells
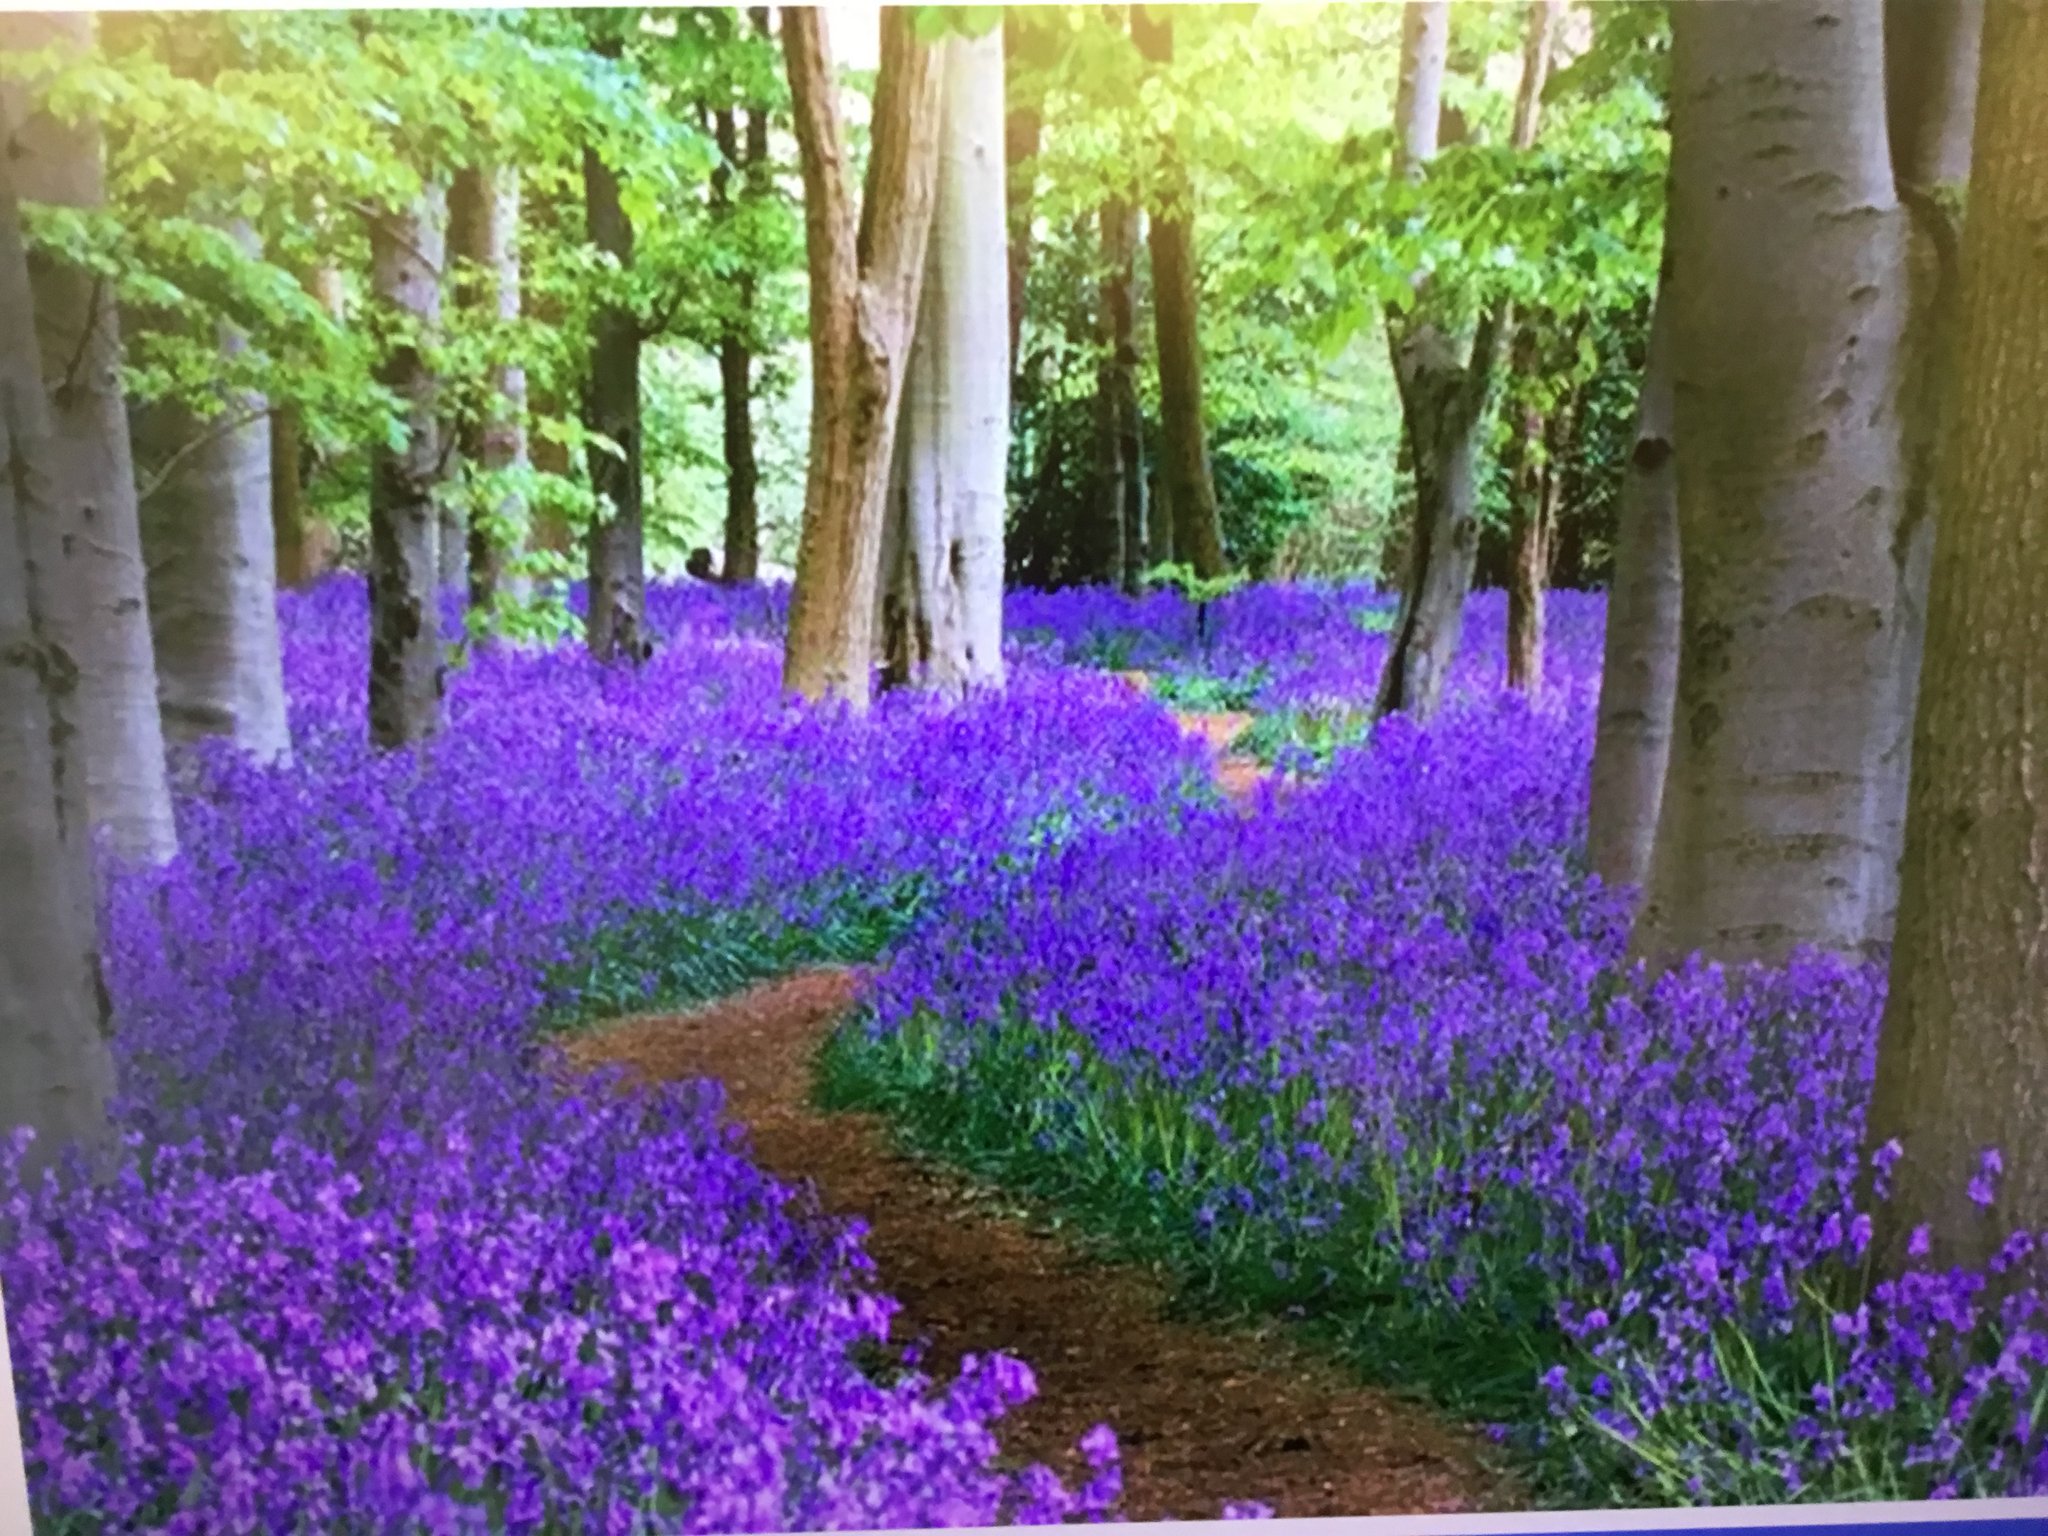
{"x": 367, "y": 1263}
{"x": 1367, "y": 1055}
{"x": 1372, "y": 1057}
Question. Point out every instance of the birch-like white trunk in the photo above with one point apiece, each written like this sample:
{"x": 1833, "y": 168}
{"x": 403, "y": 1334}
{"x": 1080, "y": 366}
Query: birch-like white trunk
{"x": 942, "y": 620}
{"x": 1791, "y": 293}
{"x": 56, "y": 1072}
{"x": 93, "y": 524}
{"x": 209, "y": 544}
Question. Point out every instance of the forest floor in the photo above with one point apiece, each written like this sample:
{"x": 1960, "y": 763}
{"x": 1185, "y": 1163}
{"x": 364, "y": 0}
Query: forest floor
{"x": 1204, "y": 1415}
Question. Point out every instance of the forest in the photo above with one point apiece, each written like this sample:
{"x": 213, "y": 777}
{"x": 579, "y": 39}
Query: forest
{"x": 785, "y": 768}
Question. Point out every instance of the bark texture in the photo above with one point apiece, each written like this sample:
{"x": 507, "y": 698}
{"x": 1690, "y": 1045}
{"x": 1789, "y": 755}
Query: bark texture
{"x": 1112, "y": 548}
{"x": 211, "y": 550}
{"x": 749, "y": 158}
{"x": 1792, "y": 295}
{"x": 942, "y": 606}
{"x": 483, "y": 231}
{"x": 865, "y": 282}
{"x": 1963, "y": 1057}
{"x": 617, "y": 622}
{"x": 1445, "y": 386}
{"x": 1531, "y": 509}
{"x": 407, "y": 656}
{"x": 56, "y": 1071}
{"x": 1170, "y": 238}
{"x": 94, "y": 527}
{"x": 1639, "y": 663}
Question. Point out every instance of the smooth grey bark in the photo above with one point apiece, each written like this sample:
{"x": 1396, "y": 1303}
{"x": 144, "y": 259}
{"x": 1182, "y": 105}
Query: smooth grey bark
{"x": 210, "y": 546}
{"x": 56, "y": 1071}
{"x": 1639, "y": 663}
{"x": 483, "y": 231}
{"x": 407, "y": 654}
{"x": 1962, "y": 1061}
{"x": 1446, "y": 385}
{"x": 942, "y": 599}
{"x": 1791, "y": 298}
{"x": 94, "y": 526}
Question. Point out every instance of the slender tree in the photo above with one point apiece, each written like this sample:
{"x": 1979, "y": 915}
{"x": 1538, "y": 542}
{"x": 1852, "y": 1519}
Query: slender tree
{"x": 1023, "y": 128}
{"x": 1962, "y": 1062}
{"x": 742, "y": 559}
{"x": 483, "y": 234}
{"x": 1529, "y": 513}
{"x": 407, "y": 655}
{"x": 1798, "y": 333}
{"x": 56, "y": 1071}
{"x": 865, "y": 282}
{"x": 1112, "y": 549}
{"x": 305, "y": 544}
{"x": 96, "y": 527}
{"x": 1639, "y": 665}
{"x": 942, "y": 589}
{"x": 208, "y": 539}
{"x": 1184, "y": 445}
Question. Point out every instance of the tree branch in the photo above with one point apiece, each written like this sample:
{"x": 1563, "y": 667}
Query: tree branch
{"x": 227, "y": 422}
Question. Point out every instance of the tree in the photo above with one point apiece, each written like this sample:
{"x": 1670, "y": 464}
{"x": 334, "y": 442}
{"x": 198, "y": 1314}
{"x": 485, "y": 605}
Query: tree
{"x": 1531, "y": 510}
{"x": 942, "y": 565}
{"x": 209, "y": 541}
{"x": 1446, "y": 386}
{"x": 483, "y": 236}
{"x": 1962, "y": 1062}
{"x": 1639, "y": 661}
{"x": 1796, "y": 329}
{"x": 865, "y": 283}
{"x": 95, "y": 526}
{"x": 1115, "y": 548}
{"x": 742, "y": 561}
{"x": 617, "y": 625}
{"x": 56, "y": 1071}
{"x": 305, "y": 543}
{"x": 407, "y": 654}
{"x": 1023, "y": 127}
{"x": 1186, "y": 483}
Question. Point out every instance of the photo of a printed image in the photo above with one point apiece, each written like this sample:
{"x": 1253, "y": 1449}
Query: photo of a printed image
{"x": 778, "y": 769}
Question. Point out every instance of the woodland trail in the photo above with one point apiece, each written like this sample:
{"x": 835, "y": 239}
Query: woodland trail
{"x": 1203, "y": 1416}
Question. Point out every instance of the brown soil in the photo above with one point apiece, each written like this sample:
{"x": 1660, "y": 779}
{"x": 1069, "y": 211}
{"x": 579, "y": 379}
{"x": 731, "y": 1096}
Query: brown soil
{"x": 1203, "y": 1416}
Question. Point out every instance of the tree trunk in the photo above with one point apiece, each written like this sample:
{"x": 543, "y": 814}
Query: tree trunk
{"x": 1962, "y": 1062}
{"x": 1183, "y": 440}
{"x": 483, "y": 230}
{"x": 305, "y": 545}
{"x": 943, "y": 604}
{"x": 211, "y": 552}
{"x": 1445, "y": 389}
{"x": 617, "y": 622}
{"x": 1023, "y": 127}
{"x": 1106, "y": 555}
{"x": 95, "y": 527}
{"x": 407, "y": 657}
{"x": 56, "y": 1071}
{"x": 742, "y": 557}
{"x": 1120, "y": 240}
{"x": 1790, "y": 340}
{"x": 865, "y": 283}
{"x": 1639, "y": 664}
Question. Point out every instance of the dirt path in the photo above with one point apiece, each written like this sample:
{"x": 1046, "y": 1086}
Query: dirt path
{"x": 1203, "y": 1417}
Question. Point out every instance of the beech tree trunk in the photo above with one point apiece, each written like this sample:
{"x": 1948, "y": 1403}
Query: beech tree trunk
{"x": 943, "y": 597}
{"x": 1110, "y": 531}
{"x": 211, "y": 552}
{"x": 1445, "y": 388}
{"x": 617, "y": 622}
{"x": 742, "y": 557}
{"x": 1639, "y": 663}
{"x": 865, "y": 283}
{"x": 407, "y": 657}
{"x": 1170, "y": 238}
{"x": 1963, "y": 1058}
{"x": 1798, "y": 520}
{"x": 94, "y": 527}
{"x": 56, "y": 1071}
{"x": 483, "y": 230}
